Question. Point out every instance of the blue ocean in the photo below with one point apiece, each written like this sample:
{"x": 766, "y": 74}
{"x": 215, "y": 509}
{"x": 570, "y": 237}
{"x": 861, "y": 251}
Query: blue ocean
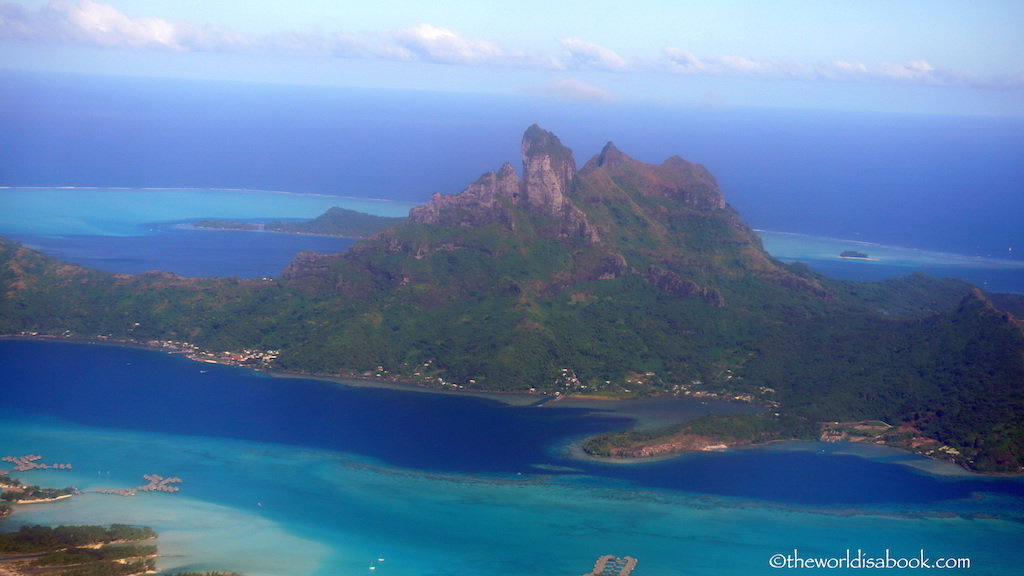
{"x": 292, "y": 476}
{"x": 949, "y": 186}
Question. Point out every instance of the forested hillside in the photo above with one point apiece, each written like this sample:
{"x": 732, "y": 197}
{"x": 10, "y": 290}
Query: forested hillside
{"x": 623, "y": 279}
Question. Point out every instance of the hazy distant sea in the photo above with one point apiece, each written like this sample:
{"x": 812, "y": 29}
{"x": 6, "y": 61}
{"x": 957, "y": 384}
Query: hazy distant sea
{"x": 941, "y": 184}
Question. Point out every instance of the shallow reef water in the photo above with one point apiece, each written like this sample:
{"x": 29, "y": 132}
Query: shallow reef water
{"x": 263, "y": 501}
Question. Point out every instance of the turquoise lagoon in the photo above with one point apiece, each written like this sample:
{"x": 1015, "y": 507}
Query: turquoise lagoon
{"x": 995, "y": 272}
{"x": 294, "y": 507}
{"x": 130, "y": 212}
{"x": 135, "y": 230}
{"x": 301, "y": 477}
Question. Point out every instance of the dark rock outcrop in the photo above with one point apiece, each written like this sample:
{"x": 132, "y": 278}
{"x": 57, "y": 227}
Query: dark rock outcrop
{"x": 549, "y": 171}
{"x": 483, "y": 202}
{"x": 672, "y": 283}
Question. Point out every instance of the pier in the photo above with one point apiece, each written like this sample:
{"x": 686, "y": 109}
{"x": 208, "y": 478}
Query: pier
{"x": 156, "y": 483}
{"x": 159, "y": 483}
{"x": 609, "y": 565}
{"x": 115, "y": 491}
{"x": 31, "y": 462}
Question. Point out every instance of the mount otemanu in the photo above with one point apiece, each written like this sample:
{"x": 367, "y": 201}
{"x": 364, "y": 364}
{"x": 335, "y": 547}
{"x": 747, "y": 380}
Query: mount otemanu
{"x": 620, "y": 279}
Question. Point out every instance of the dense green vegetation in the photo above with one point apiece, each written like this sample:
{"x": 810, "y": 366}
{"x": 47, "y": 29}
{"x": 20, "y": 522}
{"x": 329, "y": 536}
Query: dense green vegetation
{"x": 109, "y": 568}
{"x": 672, "y": 293}
{"x": 86, "y": 551}
{"x": 29, "y": 539}
{"x": 35, "y": 493}
{"x": 730, "y": 428}
{"x": 91, "y": 555}
{"x": 226, "y": 225}
{"x": 15, "y": 491}
{"x": 334, "y": 222}
{"x": 82, "y": 550}
{"x": 337, "y": 222}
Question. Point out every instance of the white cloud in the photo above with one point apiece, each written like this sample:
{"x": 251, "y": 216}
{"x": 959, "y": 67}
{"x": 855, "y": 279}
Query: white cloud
{"x": 427, "y": 42}
{"x": 96, "y": 24}
{"x": 740, "y": 65}
{"x": 88, "y": 22}
{"x": 589, "y": 55}
{"x": 682, "y": 61}
{"x": 843, "y": 67}
{"x": 103, "y": 24}
{"x": 440, "y": 45}
{"x": 577, "y": 91}
{"x": 679, "y": 61}
{"x": 918, "y": 69}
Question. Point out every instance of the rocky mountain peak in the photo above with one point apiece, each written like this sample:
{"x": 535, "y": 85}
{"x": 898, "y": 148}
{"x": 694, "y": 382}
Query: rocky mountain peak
{"x": 611, "y": 156}
{"x": 548, "y": 173}
{"x": 691, "y": 184}
{"x": 548, "y": 170}
{"x": 482, "y": 202}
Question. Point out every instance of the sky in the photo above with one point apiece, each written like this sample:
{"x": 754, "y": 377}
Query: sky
{"x": 928, "y": 56}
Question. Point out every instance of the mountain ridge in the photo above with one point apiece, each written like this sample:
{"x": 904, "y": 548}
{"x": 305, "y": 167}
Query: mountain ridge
{"x": 652, "y": 205}
{"x": 622, "y": 278}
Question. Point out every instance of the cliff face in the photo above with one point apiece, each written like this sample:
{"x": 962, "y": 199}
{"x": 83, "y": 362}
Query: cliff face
{"x": 485, "y": 201}
{"x": 669, "y": 224}
{"x": 549, "y": 171}
{"x": 549, "y": 175}
{"x": 551, "y": 187}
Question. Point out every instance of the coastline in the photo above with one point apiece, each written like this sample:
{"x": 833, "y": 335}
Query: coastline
{"x": 264, "y": 231}
{"x": 922, "y": 462}
{"x": 903, "y": 457}
{"x": 40, "y": 500}
{"x": 627, "y": 408}
{"x": 507, "y": 398}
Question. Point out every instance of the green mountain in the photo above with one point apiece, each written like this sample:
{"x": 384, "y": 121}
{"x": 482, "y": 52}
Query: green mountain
{"x": 337, "y": 222}
{"x": 623, "y": 278}
{"x": 334, "y": 222}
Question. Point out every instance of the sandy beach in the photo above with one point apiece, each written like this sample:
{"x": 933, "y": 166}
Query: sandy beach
{"x": 42, "y": 500}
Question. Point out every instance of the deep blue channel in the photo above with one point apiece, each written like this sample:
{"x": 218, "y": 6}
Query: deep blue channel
{"x": 123, "y": 388}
